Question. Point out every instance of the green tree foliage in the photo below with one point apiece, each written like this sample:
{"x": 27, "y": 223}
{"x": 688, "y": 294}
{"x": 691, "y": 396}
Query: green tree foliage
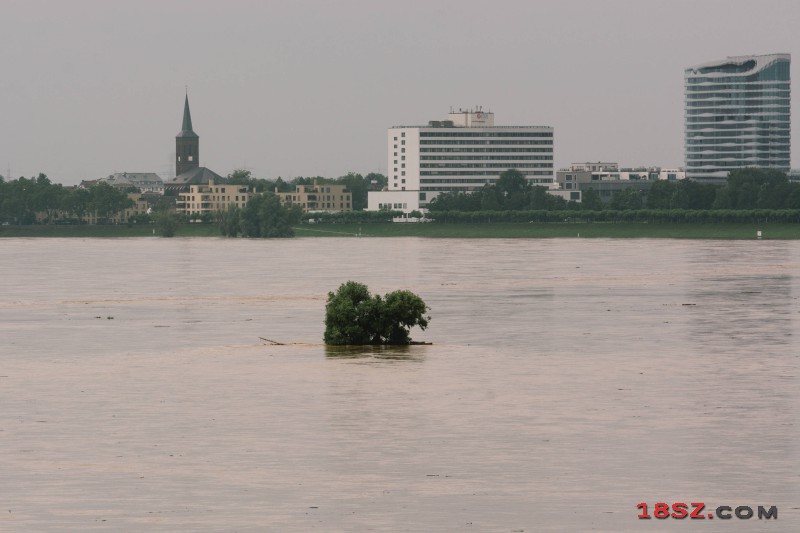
{"x": 354, "y": 316}
{"x": 166, "y": 223}
{"x": 358, "y": 187}
{"x": 626, "y": 199}
{"x": 106, "y": 200}
{"x": 511, "y": 192}
{"x": 376, "y": 181}
{"x": 591, "y": 201}
{"x": 683, "y": 194}
{"x": 242, "y": 176}
{"x": 749, "y": 188}
{"x": 265, "y": 216}
{"x": 229, "y": 221}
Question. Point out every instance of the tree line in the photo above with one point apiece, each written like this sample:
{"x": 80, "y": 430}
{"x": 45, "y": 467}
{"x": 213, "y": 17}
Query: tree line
{"x": 745, "y": 189}
{"x": 38, "y": 200}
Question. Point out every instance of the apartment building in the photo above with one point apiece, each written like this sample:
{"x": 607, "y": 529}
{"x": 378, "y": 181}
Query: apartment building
{"x": 212, "y": 197}
{"x": 325, "y": 197}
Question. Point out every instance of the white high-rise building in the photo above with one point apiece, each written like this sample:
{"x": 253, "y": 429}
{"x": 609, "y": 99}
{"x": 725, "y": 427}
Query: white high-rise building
{"x": 737, "y": 115}
{"x": 465, "y": 152}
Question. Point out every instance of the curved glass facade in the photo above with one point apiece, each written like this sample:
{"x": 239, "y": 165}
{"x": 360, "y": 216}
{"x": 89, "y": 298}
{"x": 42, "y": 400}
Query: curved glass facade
{"x": 737, "y": 115}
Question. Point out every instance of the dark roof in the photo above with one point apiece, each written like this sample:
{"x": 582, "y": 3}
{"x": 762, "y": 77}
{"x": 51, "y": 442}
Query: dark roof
{"x": 186, "y": 128}
{"x": 196, "y": 176}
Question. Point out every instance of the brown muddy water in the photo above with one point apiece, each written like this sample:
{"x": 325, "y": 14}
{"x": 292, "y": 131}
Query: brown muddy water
{"x": 569, "y": 380}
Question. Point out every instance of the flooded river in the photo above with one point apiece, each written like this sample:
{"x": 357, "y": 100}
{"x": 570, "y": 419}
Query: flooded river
{"x": 568, "y": 381}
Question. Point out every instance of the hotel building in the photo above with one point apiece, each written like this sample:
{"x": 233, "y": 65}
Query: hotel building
{"x": 463, "y": 153}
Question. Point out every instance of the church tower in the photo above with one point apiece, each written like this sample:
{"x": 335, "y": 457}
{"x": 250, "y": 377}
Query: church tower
{"x": 187, "y": 144}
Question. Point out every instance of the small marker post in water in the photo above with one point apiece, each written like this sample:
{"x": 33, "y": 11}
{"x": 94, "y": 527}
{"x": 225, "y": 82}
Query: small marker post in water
{"x": 758, "y": 234}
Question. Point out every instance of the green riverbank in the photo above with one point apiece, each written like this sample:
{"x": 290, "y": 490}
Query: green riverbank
{"x": 441, "y": 230}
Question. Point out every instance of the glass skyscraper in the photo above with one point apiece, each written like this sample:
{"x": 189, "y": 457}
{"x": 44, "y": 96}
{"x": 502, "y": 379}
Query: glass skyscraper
{"x": 737, "y": 115}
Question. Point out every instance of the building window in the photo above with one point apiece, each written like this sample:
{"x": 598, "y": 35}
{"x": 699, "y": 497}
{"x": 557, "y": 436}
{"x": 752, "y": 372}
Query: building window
{"x": 402, "y": 134}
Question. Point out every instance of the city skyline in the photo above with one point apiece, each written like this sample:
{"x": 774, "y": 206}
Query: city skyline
{"x": 284, "y": 89}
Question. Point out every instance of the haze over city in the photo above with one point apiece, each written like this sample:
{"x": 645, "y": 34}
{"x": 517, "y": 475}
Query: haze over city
{"x": 309, "y": 88}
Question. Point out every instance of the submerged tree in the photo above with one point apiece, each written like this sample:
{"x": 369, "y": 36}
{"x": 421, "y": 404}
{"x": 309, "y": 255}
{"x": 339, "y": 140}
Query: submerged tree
{"x": 354, "y": 316}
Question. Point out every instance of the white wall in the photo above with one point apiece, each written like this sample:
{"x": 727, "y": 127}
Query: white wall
{"x": 406, "y": 200}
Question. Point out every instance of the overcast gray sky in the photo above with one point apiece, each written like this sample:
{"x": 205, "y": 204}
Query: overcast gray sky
{"x": 92, "y": 87}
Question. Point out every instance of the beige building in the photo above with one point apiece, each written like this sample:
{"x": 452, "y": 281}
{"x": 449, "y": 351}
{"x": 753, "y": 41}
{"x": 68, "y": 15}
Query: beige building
{"x": 319, "y": 197}
{"x": 212, "y": 197}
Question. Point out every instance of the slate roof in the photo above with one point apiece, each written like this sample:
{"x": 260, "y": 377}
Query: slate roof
{"x": 196, "y": 176}
{"x": 135, "y": 177}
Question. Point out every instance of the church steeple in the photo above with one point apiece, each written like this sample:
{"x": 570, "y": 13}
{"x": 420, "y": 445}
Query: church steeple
{"x": 187, "y": 144}
{"x": 186, "y": 129}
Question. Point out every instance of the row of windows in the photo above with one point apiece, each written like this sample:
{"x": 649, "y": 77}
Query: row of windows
{"x": 737, "y": 102}
{"x": 756, "y": 93}
{"x": 734, "y": 130}
{"x": 485, "y": 165}
{"x": 733, "y": 149}
{"x": 737, "y": 141}
{"x": 486, "y": 158}
{"x": 393, "y": 206}
{"x": 733, "y": 122}
{"x": 477, "y": 173}
{"x": 769, "y": 156}
{"x": 484, "y": 150}
{"x": 739, "y": 110}
{"x": 448, "y": 189}
{"x": 738, "y": 164}
{"x": 479, "y": 180}
{"x": 737, "y": 87}
{"x": 466, "y": 142}
{"x": 486, "y": 134}
{"x": 763, "y": 128}
{"x": 193, "y": 197}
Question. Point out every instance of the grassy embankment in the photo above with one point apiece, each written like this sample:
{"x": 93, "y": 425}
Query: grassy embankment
{"x": 553, "y": 230}
{"x": 439, "y": 230}
{"x": 134, "y": 230}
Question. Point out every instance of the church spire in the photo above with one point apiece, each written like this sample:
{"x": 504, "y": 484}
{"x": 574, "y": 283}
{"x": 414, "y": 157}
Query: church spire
{"x": 186, "y": 128}
{"x": 187, "y": 144}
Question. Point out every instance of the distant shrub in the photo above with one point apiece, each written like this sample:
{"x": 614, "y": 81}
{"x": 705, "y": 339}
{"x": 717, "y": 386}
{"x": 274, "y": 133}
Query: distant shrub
{"x": 354, "y": 316}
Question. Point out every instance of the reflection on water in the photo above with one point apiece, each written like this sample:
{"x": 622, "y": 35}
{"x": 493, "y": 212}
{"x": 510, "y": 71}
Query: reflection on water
{"x": 375, "y": 353}
{"x": 568, "y": 380}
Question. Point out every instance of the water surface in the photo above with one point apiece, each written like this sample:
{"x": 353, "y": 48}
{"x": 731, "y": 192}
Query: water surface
{"x": 569, "y": 380}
